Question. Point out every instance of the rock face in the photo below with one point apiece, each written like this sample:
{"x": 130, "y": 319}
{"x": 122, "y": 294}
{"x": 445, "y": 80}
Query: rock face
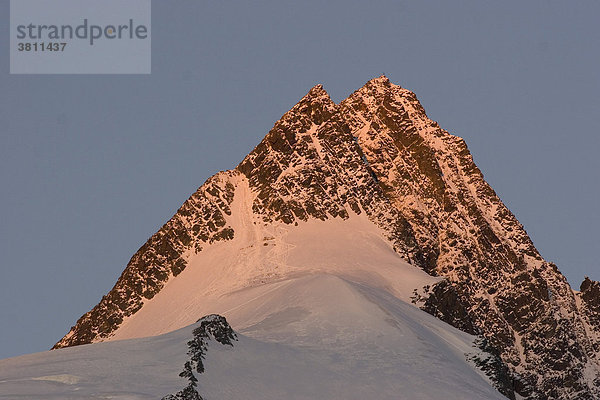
{"x": 588, "y": 301}
{"x": 378, "y": 153}
{"x": 498, "y": 284}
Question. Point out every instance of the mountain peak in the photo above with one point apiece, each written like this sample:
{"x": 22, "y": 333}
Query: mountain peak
{"x": 314, "y": 108}
{"x": 317, "y": 91}
{"x": 318, "y": 95}
{"x": 381, "y": 80}
{"x": 378, "y": 91}
{"x": 375, "y": 156}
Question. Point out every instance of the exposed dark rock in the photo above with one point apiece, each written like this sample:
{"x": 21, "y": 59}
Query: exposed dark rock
{"x": 490, "y": 362}
{"x": 589, "y": 296}
{"x": 212, "y": 327}
{"x": 444, "y": 302}
{"x": 590, "y": 293}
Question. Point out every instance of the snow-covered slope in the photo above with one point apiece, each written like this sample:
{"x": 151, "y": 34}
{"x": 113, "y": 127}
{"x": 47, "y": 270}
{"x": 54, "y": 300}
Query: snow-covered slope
{"x": 316, "y": 336}
{"x": 353, "y": 249}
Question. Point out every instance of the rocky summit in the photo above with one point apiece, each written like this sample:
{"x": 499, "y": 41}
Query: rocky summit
{"x": 377, "y": 155}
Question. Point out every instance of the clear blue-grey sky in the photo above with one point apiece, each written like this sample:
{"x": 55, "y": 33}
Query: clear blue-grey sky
{"x": 91, "y": 166}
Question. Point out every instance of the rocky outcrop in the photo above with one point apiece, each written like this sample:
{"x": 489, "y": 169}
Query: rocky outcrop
{"x": 588, "y": 300}
{"x": 589, "y": 292}
{"x": 212, "y": 327}
{"x": 378, "y": 153}
{"x": 444, "y": 302}
{"x": 489, "y": 361}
